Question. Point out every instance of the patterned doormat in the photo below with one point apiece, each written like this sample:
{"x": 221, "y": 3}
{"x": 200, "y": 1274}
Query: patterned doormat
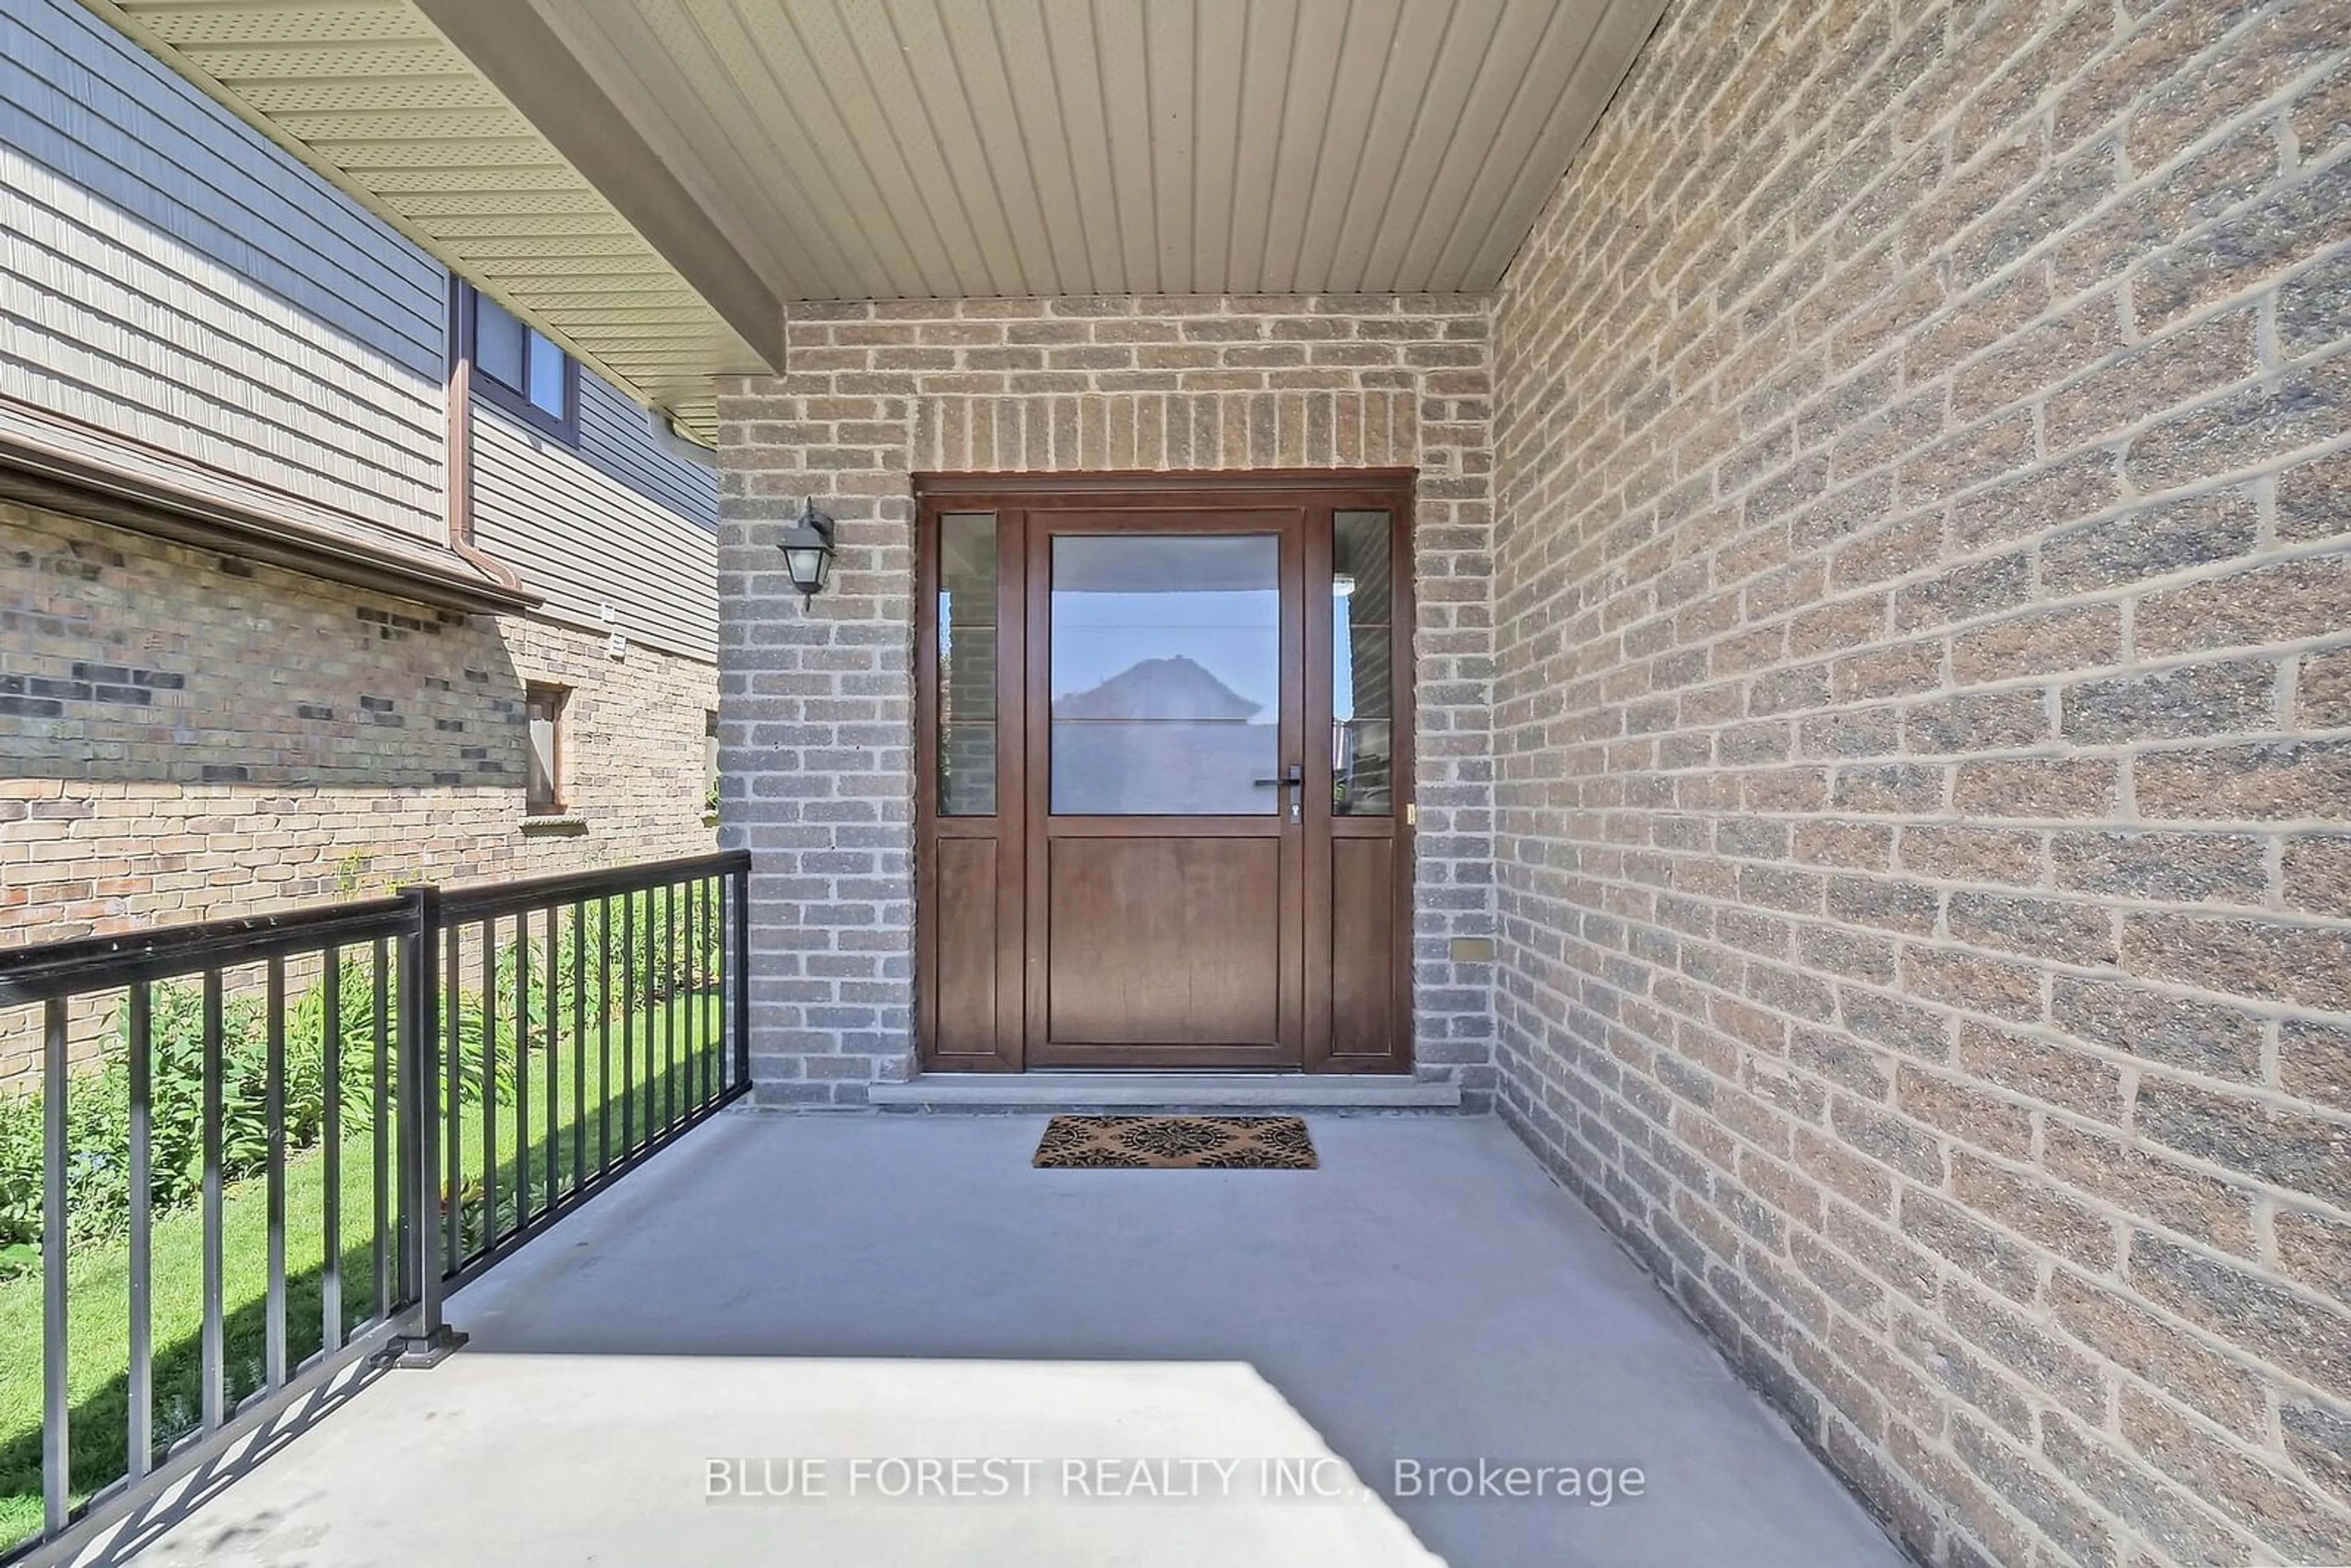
{"x": 1175, "y": 1143}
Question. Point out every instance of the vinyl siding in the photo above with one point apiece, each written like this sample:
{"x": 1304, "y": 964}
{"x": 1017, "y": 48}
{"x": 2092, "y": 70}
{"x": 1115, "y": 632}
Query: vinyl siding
{"x": 168, "y": 275}
{"x": 616, "y": 437}
{"x": 585, "y": 540}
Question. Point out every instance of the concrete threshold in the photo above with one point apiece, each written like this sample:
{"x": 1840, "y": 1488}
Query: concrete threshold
{"x": 1103, "y": 1091}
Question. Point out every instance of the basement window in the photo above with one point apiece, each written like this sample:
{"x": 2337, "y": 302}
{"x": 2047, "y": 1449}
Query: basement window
{"x": 545, "y": 707}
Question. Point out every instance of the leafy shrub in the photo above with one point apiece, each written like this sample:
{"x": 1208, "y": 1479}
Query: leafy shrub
{"x": 98, "y": 1107}
{"x": 20, "y": 1181}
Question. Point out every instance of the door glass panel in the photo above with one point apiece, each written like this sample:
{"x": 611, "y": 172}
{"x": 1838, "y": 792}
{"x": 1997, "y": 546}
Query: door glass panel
{"x": 1362, "y": 664}
{"x": 968, "y": 659}
{"x": 1166, "y": 675}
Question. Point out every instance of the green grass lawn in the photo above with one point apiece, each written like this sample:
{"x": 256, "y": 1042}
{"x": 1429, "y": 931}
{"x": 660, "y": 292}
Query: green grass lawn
{"x": 97, "y": 1276}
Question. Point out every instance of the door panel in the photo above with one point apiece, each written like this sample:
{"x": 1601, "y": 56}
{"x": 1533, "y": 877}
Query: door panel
{"x": 1362, "y": 946}
{"x": 967, "y": 942}
{"x": 1165, "y": 942}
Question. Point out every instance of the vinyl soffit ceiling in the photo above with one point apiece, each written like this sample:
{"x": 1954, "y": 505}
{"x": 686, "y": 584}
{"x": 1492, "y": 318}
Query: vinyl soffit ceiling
{"x": 859, "y": 148}
{"x": 371, "y": 95}
{"x": 655, "y": 182}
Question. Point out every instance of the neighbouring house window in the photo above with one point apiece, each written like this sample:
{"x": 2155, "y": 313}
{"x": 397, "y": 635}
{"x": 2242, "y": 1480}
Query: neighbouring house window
{"x": 710, "y": 760}
{"x": 546, "y": 705}
{"x": 519, "y": 369}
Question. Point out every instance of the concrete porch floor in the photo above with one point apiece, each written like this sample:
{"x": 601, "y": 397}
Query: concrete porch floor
{"x": 810, "y": 1288}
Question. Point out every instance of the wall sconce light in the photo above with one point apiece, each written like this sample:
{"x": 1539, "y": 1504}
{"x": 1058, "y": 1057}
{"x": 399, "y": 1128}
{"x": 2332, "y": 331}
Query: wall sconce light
{"x": 807, "y": 551}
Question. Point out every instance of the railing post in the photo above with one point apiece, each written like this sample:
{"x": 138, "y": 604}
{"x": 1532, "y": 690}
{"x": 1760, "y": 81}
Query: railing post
{"x": 57, "y": 1453}
{"x": 739, "y": 982}
{"x": 429, "y": 1339}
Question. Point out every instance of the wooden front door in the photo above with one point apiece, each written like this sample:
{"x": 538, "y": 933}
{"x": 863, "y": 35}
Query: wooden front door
{"x": 1166, "y": 667}
{"x": 1163, "y": 728}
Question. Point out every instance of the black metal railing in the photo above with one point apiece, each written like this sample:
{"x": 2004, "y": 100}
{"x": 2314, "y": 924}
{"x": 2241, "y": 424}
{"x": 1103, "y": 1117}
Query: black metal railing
{"x": 403, "y": 1090}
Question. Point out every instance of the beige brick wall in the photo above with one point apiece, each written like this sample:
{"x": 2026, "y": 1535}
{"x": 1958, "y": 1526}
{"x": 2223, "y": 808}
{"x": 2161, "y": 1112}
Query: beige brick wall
{"x": 817, "y": 710}
{"x": 182, "y": 740}
{"x": 1923, "y": 439}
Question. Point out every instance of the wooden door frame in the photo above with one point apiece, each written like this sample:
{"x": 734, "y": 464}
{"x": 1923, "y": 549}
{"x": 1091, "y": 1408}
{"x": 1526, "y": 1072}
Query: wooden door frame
{"x": 1011, "y": 497}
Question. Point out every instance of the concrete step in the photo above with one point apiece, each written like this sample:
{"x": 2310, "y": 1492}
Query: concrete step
{"x": 1104, "y": 1090}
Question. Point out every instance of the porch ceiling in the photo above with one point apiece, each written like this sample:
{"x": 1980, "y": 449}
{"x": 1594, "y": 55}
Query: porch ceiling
{"x": 653, "y": 182}
{"x": 884, "y": 149}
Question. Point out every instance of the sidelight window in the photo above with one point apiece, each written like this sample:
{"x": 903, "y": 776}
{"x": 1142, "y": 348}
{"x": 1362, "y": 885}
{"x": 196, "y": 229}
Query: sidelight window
{"x": 969, "y": 648}
{"x": 1362, "y": 664}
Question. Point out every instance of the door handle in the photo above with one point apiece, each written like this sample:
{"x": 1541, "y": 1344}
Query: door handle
{"x": 1294, "y": 778}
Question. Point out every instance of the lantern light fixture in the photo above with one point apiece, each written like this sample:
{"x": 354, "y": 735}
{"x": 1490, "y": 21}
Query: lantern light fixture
{"x": 807, "y": 551}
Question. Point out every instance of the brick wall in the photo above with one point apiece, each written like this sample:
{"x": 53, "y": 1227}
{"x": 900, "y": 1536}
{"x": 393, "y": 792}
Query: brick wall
{"x": 818, "y": 711}
{"x": 1923, "y": 728}
{"x": 183, "y": 738}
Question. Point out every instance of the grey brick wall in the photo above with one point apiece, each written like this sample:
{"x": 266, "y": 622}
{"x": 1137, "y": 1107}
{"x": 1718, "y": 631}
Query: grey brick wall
{"x": 184, "y": 738}
{"x": 1923, "y": 710}
{"x": 817, "y": 710}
